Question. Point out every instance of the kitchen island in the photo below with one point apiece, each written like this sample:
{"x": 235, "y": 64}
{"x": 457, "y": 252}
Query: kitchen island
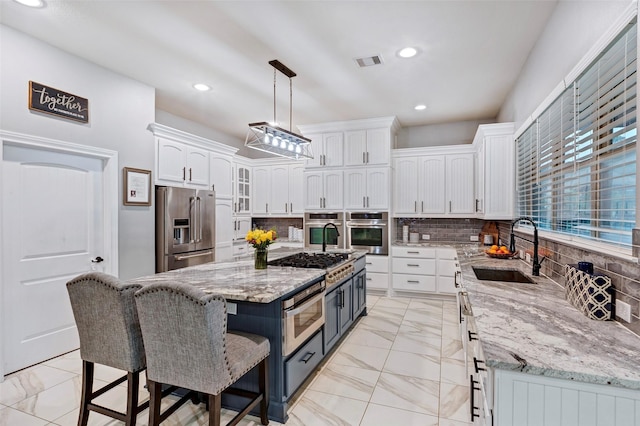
{"x": 255, "y": 304}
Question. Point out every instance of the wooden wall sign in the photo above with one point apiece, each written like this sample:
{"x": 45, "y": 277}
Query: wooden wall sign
{"x": 56, "y": 102}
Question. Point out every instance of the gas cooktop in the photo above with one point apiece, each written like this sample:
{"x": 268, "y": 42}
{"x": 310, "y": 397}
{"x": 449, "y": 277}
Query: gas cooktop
{"x": 311, "y": 260}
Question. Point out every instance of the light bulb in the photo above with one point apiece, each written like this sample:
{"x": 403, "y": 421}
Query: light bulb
{"x": 290, "y": 146}
{"x": 298, "y": 149}
{"x": 275, "y": 141}
{"x": 283, "y": 144}
{"x": 267, "y": 138}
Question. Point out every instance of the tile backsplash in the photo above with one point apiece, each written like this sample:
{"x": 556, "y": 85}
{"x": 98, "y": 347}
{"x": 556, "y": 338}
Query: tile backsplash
{"x": 625, "y": 275}
{"x": 449, "y": 230}
{"x": 281, "y": 225}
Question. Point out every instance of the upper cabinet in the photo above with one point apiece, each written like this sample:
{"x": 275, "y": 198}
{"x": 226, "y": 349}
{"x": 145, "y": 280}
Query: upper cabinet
{"x": 278, "y": 189}
{"x": 323, "y": 190}
{"x": 351, "y": 143}
{"x": 367, "y": 147}
{"x": 434, "y": 182}
{"x": 242, "y": 189}
{"x": 495, "y": 171}
{"x": 184, "y": 159}
{"x": 327, "y": 150}
{"x": 181, "y": 163}
{"x": 366, "y": 189}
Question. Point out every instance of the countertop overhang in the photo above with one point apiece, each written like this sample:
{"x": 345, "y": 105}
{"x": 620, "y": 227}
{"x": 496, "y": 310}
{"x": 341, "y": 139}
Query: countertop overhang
{"x": 532, "y": 328}
{"x": 238, "y": 280}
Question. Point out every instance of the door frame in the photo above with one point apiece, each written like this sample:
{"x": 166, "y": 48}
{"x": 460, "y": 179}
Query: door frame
{"x": 110, "y": 193}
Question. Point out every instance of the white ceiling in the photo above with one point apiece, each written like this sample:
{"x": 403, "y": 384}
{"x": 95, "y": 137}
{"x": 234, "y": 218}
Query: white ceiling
{"x": 471, "y": 52}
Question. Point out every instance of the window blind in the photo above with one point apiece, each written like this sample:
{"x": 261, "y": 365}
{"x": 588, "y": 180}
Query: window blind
{"x": 576, "y": 163}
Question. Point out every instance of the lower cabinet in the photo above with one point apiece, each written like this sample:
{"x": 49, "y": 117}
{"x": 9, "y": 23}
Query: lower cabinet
{"x": 298, "y": 367}
{"x": 359, "y": 293}
{"x": 425, "y": 269}
{"x": 338, "y": 312}
{"x": 377, "y": 273}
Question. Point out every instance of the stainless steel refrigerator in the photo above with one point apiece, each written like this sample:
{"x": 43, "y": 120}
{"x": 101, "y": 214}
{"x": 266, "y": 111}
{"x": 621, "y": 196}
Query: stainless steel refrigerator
{"x": 185, "y": 227}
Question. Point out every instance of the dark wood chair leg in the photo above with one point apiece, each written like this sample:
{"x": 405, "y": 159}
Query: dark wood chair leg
{"x": 155, "y": 398}
{"x": 87, "y": 389}
{"x": 215, "y": 409}
{"x": 133, "y": 383}
{"x": 263, "y": 370}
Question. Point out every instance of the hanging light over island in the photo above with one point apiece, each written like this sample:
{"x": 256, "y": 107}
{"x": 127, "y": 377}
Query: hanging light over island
{"x": 271, "y": 138}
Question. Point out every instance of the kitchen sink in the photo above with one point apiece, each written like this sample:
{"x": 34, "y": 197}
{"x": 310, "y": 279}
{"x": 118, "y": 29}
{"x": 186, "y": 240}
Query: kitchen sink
{"x": 506, "y": 275}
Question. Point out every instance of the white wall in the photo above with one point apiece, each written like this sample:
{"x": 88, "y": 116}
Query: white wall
{"x": 456, "y": 133}
{"x": 574, "y": 27}
{"x": 119, "y": 111}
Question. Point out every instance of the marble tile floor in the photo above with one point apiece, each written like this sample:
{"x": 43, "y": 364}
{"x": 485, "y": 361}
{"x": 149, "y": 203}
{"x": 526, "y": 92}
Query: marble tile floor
{"x": 400, "y": 365}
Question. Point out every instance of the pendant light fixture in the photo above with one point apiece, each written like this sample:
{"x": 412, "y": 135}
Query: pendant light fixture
{"x": 269, "y": 137}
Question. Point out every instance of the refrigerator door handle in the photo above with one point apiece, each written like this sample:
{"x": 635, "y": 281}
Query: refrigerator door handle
{"x": 192, "y": 219}
{"x": 191, "y": 256}
{"x": 199, "y": 219}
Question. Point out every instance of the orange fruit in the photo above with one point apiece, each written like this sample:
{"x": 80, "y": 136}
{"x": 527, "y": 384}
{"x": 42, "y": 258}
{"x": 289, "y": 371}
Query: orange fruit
{"x": 494, "y": 247}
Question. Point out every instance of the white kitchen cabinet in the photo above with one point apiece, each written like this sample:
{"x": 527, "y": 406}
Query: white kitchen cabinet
{"x": 460, "y": 184}
{"x": 241, "y": 225}
{"x": 413, "y": 269}
{"x": 277, "y": 189}
{"x": 377, "y": 273}
{"x": 448, "y": 270}
{"x": 323, "y": 190}
{"x": 366, "y": 188}
{"x": 434, "y": 182}
{"x": 495, "y": 171}
{"x": 221, "y": 171}
{"x": 261, "y": 190}
{"x": 367, "y": 147}
{"x": 242, "y": 189}
{"x": 286, "y": 189}
{"x": 224, "y": 233}
{"x": 181, "y": 163}
{"x": 327, "y": 150}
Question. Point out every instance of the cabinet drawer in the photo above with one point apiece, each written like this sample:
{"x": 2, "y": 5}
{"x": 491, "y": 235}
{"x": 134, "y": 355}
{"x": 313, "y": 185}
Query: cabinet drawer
{"x": 302, "y": 363}
{"x": 422, "y": 252}
{"x": 447, "y": 253}
{"x": 414, "y": 282}
{"x": 377, "y": 281}
{"x": 377, "y": 263}
{"x": 414, "y": 266}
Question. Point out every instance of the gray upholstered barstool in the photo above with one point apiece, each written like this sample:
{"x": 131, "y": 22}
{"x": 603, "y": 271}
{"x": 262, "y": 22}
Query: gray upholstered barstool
{"x": 107, "y": 320}
{"x": 187, "y": 344}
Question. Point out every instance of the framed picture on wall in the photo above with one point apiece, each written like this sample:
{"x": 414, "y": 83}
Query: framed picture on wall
{"x": 136, "y": 187}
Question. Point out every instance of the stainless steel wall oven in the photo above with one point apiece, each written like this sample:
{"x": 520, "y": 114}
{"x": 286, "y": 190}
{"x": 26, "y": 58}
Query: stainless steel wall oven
{"x": 368, "y": 231}
{"x": 314, "y": 225}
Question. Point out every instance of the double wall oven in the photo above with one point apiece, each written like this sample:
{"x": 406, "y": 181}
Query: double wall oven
{"x": 368, "y": 231}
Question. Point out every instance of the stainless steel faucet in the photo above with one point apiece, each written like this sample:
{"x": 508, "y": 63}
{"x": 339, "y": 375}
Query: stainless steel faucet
{"x": 324, "y": 234}
{"x": 512, "y": 243}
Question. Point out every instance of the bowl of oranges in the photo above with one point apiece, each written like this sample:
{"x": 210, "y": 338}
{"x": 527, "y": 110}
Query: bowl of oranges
{"x": 499, "y": 252}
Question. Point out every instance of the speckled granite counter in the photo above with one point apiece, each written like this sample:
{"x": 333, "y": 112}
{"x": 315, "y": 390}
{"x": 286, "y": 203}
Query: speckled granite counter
{"x": 534, "y": 323}
{"x": 238, "y": 280}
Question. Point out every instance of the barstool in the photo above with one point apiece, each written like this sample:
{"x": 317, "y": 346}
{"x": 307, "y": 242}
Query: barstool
{"x": 187, "y": 345}
{"x": 107, "y": 320}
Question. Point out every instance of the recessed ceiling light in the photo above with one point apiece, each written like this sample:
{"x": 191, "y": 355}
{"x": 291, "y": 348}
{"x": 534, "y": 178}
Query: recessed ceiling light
{"x": 408, "y": 52}
{"x": 420, "y": 107}
{"x": 31, "y": 3}
{"x": 201, "y": 87}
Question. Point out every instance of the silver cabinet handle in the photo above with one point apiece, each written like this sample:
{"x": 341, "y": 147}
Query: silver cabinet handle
{"x": 364, "y": 203}
{"x": 266, "y": 208}
{"x": 449, "y": 206}
{"x": 415, "y": 206}
{"x": 364, "y": 161}
{"x": 190, "y": 174}
{"x": 413, "y": 252}
{"x": 413, "y": 265}
{"x": 413, "y": 281}
{"x": 291, "y": 209}
{"x": 422, "y": 206}
{"x": 367, "y": 157}
{"x": 367, "y": 201}
{"x": 286, "y": 208}
{"x": 184, "y": 173}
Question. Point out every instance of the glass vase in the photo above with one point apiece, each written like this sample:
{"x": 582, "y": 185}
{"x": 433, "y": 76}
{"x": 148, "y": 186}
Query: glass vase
{"x": 261, "y": 258}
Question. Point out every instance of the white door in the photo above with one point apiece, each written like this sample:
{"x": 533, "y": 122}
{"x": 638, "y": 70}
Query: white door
{"x": 52, "y": 225}
{"x": 378, "y": 188}
{"x": 279, "y": 189}
{"x": 355, "y": 147}
{"x": 405, "y": 193}
{"x": 355, "y": 189}
{"x": 261, "y": 190}
{"x": 378, "y": 146}
{"x": 460, "y": 187}
{"x": 296, "y": 189}
{"x": 432, "y": 197}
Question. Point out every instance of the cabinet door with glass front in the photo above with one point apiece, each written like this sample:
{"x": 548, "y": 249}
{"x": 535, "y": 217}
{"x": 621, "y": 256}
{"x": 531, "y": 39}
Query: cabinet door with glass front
{"x": 243, "y": 190}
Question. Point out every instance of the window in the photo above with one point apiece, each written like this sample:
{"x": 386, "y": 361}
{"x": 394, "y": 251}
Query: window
{"x": 577, "y": 161}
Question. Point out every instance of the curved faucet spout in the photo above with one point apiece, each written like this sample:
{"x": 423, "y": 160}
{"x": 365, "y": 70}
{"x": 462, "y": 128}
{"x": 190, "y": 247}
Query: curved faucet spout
{"x": 512, "y": 243}
{"x": 324, "y": 234}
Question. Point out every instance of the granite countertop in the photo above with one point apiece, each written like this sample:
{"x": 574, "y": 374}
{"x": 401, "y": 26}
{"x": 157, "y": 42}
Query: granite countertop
{"x": 239, "y": 280}
{"x": 532, "y": 328}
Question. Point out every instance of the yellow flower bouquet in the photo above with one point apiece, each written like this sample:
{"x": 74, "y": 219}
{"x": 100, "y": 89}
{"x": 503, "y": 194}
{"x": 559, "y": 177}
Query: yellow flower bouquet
{"x": 260, "y": 240}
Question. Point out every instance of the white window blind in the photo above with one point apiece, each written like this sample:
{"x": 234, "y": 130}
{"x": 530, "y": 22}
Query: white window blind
{"x": 577, "y": 161}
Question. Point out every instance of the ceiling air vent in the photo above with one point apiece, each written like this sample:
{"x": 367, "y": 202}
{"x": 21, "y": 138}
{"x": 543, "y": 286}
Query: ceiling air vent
{"x": 369, "y": 61}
